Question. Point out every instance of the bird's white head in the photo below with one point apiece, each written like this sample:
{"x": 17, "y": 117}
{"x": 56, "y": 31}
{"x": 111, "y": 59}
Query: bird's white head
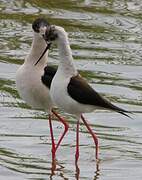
{"x": 55, "y": 33}
{"x": 59, "y": 32}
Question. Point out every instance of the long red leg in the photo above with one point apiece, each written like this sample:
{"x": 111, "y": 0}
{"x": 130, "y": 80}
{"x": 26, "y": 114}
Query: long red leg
{"x": 77, "y": 143}
{"x": 66, "y": 126}
{"x": 93, "y": 135}
{"x": 52, "y": 138}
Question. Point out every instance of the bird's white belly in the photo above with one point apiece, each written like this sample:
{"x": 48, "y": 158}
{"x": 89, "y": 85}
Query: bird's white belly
{"x": 31, "y": 88}
{"x": 61, "y": 98}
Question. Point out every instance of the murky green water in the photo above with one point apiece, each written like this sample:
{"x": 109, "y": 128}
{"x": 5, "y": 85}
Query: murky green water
{"x": 106, "y": 40}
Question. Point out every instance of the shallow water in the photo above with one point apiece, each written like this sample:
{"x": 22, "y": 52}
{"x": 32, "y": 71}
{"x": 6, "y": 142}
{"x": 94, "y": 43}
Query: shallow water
{"x": 106, "y": 40}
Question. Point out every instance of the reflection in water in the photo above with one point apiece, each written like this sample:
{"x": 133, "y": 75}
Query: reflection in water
{"x": 97, "y": 175}
{"x": 77, "y": 171}
{"x": 106, "y": 42}
{"x": 97, "y": 171}
{"x": 55, "y": 169}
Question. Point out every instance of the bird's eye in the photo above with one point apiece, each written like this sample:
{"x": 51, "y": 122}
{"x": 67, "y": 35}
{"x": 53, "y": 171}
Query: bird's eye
{"x": 50, "y": 34}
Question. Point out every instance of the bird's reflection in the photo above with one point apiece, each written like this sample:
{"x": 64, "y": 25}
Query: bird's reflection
{"x": 60, "y": 168}
{"x": 97, "y": 172}
{"x": 54, "y": 168}
{"x": 77, "y": 173}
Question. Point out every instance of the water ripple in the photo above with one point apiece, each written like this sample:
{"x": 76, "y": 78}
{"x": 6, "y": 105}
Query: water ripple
{"x": 105, "y": 38}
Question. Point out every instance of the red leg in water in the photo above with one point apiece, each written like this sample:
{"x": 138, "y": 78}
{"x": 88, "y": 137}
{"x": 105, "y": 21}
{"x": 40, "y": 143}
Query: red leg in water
{"x": 93, "y": 135}
{"x": 52, "y": 138}
{"x": 66, "y": 126}
{"x": 77, "y": 143}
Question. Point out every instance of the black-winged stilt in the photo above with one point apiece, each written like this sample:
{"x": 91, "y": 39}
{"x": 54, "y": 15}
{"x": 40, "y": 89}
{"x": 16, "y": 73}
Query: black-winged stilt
{"x": 33, "y": 82}
{"x": 70, "y": 91}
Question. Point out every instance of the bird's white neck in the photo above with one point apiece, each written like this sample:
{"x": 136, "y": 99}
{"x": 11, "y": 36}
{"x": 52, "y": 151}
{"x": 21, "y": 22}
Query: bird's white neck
{"x": 66, "y": 60}
{"x": 37, "y": 48}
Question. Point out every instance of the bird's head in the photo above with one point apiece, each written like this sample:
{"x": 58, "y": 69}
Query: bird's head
{"x": 40, "y": 26}
{"x": 48, "y": 32}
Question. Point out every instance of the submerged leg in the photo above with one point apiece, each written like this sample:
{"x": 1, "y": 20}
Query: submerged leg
{"x": 66, "y": 126}
{"x": 93, "y": 135}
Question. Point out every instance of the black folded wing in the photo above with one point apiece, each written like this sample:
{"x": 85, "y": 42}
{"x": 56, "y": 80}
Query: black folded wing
{"x": 49, "y": 73}
{"x": 83, "y": 93}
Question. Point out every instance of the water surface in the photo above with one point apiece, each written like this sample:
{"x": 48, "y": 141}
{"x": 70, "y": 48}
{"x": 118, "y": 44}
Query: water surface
{"x": 106, "y": 40}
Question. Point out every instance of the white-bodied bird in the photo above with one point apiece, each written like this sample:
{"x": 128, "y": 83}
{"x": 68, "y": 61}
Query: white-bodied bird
{"x": 33, "y": 82}
{"x": 70, "y": 91}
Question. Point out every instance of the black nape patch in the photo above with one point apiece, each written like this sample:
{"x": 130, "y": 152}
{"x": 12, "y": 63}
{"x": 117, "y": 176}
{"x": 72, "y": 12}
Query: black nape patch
{"x": 38, "y": 23}
{"x": 51, "y": 35}
{"x": 49, "y": 73}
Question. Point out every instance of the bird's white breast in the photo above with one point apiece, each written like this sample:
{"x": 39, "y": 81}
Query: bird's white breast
{"x": 31, "y": 88}
{"x": 61, "y": 98}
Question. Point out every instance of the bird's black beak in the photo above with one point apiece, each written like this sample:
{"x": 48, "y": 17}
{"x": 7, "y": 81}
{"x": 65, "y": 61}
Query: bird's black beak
{"x": 49, "y": 36}
{"x": 45, "y": 50}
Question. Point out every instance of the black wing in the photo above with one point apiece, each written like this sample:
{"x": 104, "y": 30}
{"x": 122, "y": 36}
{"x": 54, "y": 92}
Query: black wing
{"x": 49, "y": 73}
{"x": 82, "y": 92}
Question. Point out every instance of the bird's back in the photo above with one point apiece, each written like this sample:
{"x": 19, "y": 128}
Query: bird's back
{"x": 83, "y": 93}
